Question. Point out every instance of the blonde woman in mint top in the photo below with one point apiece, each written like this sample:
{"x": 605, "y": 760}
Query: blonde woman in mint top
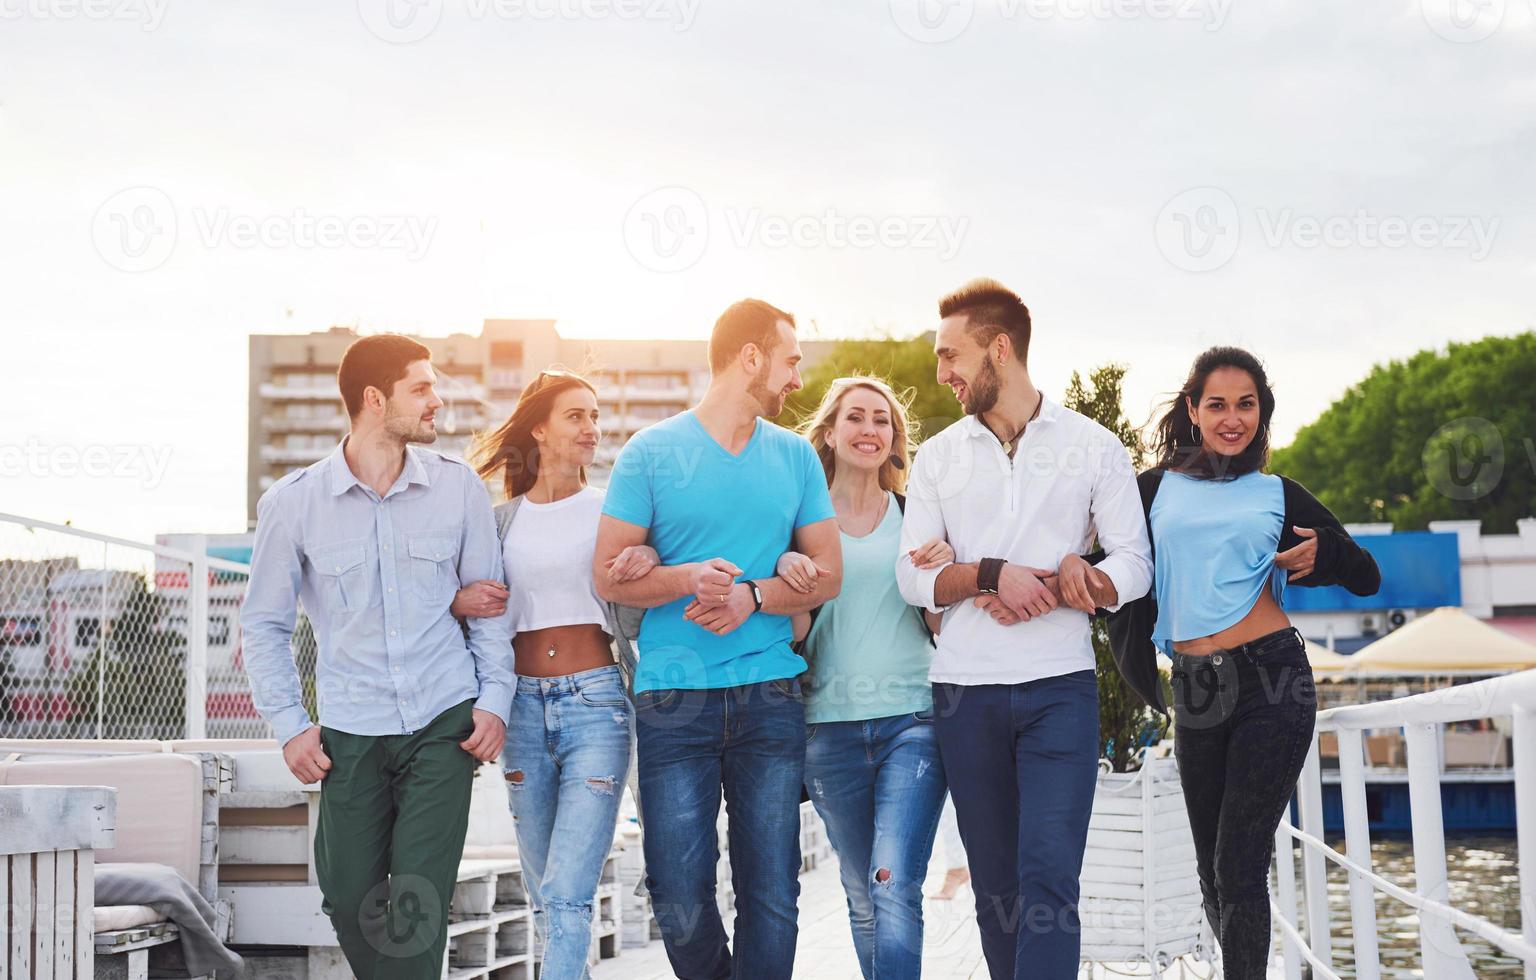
{"x": 872, "y": 766}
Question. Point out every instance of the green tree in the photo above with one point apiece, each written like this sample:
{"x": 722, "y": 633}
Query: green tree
{"x": 1439, "y": 436}
{"x": 141, "y": 669}
{"x": 1125, "y": 723}
{"x": 907, "y": 365}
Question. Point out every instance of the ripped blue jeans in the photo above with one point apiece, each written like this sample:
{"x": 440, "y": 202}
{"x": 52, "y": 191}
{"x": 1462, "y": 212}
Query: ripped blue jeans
{"x": 566, "y": 758}
{"x": 879, "y": 787}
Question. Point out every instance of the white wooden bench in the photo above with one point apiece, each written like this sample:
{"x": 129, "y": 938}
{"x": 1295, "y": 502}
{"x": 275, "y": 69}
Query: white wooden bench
{"x": 166, "y": 813}
{"x": 48, "y": 839}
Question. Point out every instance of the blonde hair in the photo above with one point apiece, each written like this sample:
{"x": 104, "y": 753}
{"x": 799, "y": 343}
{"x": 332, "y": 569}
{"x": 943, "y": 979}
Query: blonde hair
{"x": 903, "y": 428}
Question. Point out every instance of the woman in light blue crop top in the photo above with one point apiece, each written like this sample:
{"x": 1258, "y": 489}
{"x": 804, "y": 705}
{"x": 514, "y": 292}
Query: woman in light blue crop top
{"x": 1244, "y": 703}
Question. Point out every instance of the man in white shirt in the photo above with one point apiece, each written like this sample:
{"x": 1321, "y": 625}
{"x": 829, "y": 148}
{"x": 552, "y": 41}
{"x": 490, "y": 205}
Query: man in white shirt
{"x": 1020, "y": 488}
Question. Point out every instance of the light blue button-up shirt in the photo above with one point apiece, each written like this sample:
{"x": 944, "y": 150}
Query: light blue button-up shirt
{"x": 376, "y": 577}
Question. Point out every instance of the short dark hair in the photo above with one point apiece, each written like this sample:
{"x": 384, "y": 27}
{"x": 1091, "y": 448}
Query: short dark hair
{"x": 746, "y": 321}
{"x": 376, "y": 362}
{"x": 990, "y": 308}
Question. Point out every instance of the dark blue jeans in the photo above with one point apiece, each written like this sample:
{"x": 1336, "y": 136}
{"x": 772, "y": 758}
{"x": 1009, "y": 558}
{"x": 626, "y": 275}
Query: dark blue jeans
{"x": 879, "y": 785}
{"x": 748, "y": 741}
{"x": 1022, "y": 762}
{"x": 1243, "y": 723}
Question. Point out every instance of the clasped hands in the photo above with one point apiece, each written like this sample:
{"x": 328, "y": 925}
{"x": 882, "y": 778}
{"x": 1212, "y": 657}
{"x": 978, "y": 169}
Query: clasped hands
{"x": 1024, "y": 592}
{"x": 721, "y": 604}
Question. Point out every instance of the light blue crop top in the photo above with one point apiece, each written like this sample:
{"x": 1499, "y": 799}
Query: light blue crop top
{"x": 1214, "y": 544}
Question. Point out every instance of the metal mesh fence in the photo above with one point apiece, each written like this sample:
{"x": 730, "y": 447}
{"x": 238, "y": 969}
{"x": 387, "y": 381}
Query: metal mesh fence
{"x": 103, "y": 638}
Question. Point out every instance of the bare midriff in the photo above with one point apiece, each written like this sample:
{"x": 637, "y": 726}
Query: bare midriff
{"x": 577, "y": 648}
{"x": 1264, "y": 618}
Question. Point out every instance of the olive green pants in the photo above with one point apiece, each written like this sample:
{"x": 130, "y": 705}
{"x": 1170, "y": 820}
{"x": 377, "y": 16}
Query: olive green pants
{"x": 393, "y": 812}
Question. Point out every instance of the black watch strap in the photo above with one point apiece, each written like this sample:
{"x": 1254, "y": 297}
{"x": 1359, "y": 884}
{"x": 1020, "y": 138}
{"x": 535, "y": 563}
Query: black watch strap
{"x": 987, "y": 575}
{"x": 757, "y": 596}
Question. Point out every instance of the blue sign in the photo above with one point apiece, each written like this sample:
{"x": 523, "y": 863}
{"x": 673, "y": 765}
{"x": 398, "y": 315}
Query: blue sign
{"x": 1419, "y": 570}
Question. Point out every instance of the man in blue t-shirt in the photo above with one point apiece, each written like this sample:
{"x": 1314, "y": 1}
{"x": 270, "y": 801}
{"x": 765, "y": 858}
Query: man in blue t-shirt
{"x": 721, "y": 493}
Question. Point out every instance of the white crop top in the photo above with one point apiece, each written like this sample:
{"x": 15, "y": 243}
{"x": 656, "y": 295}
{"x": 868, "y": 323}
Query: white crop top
{"x": 548, "y": 560}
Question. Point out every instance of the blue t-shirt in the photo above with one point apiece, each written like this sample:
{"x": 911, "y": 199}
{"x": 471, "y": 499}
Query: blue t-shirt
{"x": 700, "y": 502}
{"x": 1215, "y": 552}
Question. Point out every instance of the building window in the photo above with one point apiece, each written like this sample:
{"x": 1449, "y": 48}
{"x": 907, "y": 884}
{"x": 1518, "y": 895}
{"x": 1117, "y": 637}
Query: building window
{"x": 507, "y": 352}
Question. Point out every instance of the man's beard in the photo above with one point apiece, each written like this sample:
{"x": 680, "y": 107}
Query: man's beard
{"x": 769, "y": 403}
{"x": 984, "y": 389}
{"x": 409, "y": 428}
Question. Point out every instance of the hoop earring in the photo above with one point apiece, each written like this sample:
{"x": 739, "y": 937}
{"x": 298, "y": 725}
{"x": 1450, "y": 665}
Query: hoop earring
{"x": 1194, "y": 433}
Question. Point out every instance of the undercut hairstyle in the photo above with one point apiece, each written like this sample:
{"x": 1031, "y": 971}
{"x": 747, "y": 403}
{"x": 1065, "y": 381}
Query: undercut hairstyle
{"x": 990, "y": 308}
{"x": 746, "y": 321}
{"x": 376, "y": 362}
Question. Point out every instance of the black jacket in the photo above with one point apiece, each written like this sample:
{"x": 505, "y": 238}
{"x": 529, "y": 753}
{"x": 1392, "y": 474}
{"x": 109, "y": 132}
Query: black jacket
{"x": 1340, "y": 561}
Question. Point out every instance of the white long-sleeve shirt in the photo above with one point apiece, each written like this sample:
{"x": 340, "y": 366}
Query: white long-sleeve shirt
{"x": 1069, "y": 480}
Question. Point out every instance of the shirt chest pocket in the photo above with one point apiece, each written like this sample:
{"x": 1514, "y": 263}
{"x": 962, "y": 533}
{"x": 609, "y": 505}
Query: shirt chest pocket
{"x": 432, "y": 572}
{"x": 344, "y": 579}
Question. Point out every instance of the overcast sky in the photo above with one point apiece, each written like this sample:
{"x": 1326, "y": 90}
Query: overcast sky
{"x": 1332, "y": 185}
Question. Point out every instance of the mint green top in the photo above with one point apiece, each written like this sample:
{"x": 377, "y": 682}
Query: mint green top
{"x": 868, "y": 651}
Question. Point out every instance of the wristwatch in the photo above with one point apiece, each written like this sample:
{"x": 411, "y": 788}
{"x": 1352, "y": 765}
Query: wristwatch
{"x": 987, "y": 574}
{"x": 757, "y": 596}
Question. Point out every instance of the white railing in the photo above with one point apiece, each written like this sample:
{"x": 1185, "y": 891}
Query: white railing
{"x": 1421, "y": 716}
{"x": 105, "y": 637}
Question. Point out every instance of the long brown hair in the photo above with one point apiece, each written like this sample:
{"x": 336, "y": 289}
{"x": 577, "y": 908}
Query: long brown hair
{"x": 511, "y": 450}
{"x": 893, "y": 477}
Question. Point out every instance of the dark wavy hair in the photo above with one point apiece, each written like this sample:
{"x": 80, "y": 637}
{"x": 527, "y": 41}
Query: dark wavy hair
{"x": 1173, "y": 438}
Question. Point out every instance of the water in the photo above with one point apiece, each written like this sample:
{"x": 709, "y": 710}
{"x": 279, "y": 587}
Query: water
{"x": 1484, "y": 875}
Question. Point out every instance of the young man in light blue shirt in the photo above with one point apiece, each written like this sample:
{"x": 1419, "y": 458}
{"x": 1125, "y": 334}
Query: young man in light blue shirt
{"x": 374, "y": 540}
{"x": 721, "y": 493}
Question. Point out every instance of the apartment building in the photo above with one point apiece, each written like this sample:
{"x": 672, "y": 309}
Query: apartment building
{"x": 296, "y": 415}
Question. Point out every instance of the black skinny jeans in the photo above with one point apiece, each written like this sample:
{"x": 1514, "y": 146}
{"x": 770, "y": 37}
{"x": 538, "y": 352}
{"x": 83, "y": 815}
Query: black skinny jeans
{"x": 1244, "y": 720}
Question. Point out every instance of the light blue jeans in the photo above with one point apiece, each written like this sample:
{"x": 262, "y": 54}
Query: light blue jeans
{"x": 566, "y": 757}
{"x": 879, "y": 787}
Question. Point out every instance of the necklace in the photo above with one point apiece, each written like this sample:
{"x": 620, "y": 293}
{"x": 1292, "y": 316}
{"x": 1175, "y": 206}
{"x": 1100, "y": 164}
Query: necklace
{"x": 1008, "y": 444}
{"x": 885, "y": 503}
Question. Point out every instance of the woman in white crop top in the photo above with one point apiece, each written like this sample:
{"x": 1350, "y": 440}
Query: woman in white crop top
{"x": 568, "y": 745}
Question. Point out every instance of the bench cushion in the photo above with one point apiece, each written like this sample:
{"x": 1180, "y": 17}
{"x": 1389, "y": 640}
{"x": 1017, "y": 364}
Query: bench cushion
{"x": 112, "y": 918}
{"x": 159, "y": 803}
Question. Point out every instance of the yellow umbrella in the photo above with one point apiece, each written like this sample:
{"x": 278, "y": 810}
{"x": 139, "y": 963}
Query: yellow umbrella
{"x": 1327, "y": 664}
{"x": 1447, "y": 640}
